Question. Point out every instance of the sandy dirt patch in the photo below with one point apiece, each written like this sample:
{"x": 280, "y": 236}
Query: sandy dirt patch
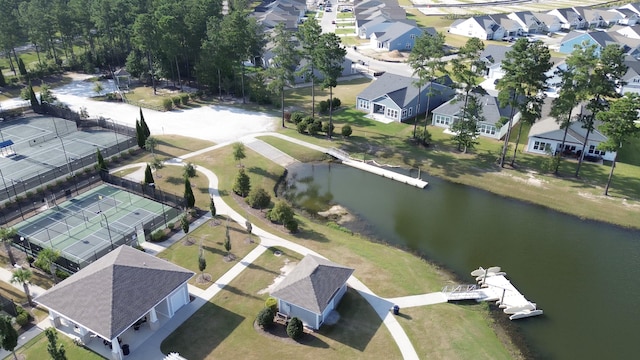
{"x": 338, "y": 214}
{"x": 284, "y": 271}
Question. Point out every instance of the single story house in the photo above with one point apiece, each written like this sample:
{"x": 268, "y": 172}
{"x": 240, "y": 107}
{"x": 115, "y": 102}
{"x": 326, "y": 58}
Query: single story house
{"x": 492, "y": 56}
{"x": 312, "y": 290}
{"x": 546, "y": 137}
{"x": 115, "y": 293}
{"x": 446, "y": 114}
{"x": 482, "y": 27}
{"x": 397, "y": 36}
{"x": 396, "y": 97}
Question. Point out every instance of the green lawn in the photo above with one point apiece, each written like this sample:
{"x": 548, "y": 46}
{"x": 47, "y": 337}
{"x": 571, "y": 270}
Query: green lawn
{"x": 359, "y": 334}
{"x": 348, "y": 31}
{"x": 36, "y": 348}
{"x": 211, "y": 237}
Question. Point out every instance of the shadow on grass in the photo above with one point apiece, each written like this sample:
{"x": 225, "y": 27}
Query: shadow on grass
{"x": 195, "y": 338}
{"x": 261, "y": 268}
{"x": 358, "y": 322}
{"x": 313, "y": 235}
{"x": 236, "y": 291}
{"x": 174, "y": 180}
{"x": 261, "y": 172}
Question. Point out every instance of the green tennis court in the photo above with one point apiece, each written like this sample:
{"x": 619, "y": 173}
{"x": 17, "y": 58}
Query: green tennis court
{"x": 89, "y": 226}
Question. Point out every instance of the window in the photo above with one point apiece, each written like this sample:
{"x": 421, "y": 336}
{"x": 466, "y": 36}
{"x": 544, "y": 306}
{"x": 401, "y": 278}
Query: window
{"x": 487, "y": 129}
{"x": 540, "y": 146}
{"x": 404, "y": 113}
{"x": 363, "y": 104}
{"x": 593, "y": 150}
{"x": 413, "y": 36}
{"x": 408, "y": 46}
{"x": 442, "y": 120}
{"x": 410, "y": 111}
{"x": 392, "y": 113}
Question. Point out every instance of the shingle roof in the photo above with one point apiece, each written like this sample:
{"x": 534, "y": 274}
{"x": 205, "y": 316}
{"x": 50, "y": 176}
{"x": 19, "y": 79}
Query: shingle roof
{"x": 494, "y": 53}
{"x": 113, "y": 292}
{"x": 491, "y": 110}
{"x": 312, "y": 283}
{"x": 548, "y": 128}
{"x": 395, "y": 30}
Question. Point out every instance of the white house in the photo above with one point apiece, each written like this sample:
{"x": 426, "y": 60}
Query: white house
{"x": 527, "y": 21}
{"x": 446, "y": 114}
{"x": 492, "y": 56}
{"x": 550, "y": 22}
{"x": 569, "y": 18}
{"x": 482, "y": 27}
{"x": 119, "y": 291}
{"x": 632, "y": 77}
{"x": 628, "y": 17}
{"x": 545, "y": 137}
{"x": 312, "y": 290}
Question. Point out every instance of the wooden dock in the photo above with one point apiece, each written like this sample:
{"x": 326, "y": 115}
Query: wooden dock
{"x": 347, "y": 160}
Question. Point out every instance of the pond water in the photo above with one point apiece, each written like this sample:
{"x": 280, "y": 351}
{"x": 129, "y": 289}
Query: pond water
{"x": 585, "y": 275}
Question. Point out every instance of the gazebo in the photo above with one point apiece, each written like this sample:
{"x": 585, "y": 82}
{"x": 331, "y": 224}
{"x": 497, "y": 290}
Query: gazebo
{"x": 118, "y": 291}
{"x": 122, "y": 78}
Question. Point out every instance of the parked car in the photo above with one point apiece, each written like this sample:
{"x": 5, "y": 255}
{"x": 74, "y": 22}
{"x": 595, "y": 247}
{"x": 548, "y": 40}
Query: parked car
{"x": 346, "y": 10}
{"x": 327, "y": 9}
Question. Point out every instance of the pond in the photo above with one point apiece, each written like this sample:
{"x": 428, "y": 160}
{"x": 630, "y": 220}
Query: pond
{"x": 583, "y": 274}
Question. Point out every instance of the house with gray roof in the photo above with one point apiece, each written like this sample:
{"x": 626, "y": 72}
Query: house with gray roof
{"x": 529, "y": 23}
{"x": 446, "y": 114}
{"x": 632, "y": 77}
{"x": 312, "y": 290}
{"x": 482, "y": 27}
{"x": 550, "y": 22}
{"x": 511, "y": 27}
{"x": 569, "y": 18}
{"x": 492, "y": 56}
{"x": 116, "y": 292}
{"x": 396, "y": 98}
{"x": 545, "y": 137}
{"x": 397, "y": 36}
{"x": 628, "y": 31}
{"x": 628, "y": 17}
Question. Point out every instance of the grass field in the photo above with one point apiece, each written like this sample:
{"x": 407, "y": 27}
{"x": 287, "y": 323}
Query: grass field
{"x": 358, "y": 335}
{"x": 36, "y": 348}
{"x": 211, "y": 236}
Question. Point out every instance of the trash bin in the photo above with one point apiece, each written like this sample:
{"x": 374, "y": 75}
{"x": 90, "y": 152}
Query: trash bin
{"x": 125, "y": 349}
{"x": 396, "y": 309}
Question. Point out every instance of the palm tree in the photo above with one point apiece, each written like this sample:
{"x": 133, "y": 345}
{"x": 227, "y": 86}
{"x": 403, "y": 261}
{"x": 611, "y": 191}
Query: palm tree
{"x": 22, "y": 276}
{"x": 47, "y": 259}
{"x": 6, "y": 236}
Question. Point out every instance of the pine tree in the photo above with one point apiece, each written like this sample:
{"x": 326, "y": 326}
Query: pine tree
{"x": 35, "y": 104}
{"x": 148, "y": 175}
{"x": 140, "y": 138}
{"x": 3, "y": 82}
{"x": 144, "y": 127}
{"x": 9, "y": 335}
{"x": 242, "y": 184}
{"x": 189, "y": 199}
{"x": 227, "y": 241}
{"x": 212, "y": 208}
{"x": 21, "y": 67}
{"x": 184, "y": 223}
{"x": 102, "y": 166}
{"x": 56, "y": 352}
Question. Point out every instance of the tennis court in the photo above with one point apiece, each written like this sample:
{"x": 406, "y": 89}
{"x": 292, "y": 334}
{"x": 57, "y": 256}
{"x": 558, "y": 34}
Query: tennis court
{"x": 89, "y": 226}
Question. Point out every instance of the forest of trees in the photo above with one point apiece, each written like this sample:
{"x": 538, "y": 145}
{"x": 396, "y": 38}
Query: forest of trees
{"x": 170, "y": 39}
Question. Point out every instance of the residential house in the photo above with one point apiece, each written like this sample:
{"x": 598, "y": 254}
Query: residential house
{"x": 610, "y": 18}
{"x": 482, "y": 27}
{"x": 591, "y": 17}
{"x": 398, "y": 36}
{"x": 628, "y": 31}
{"x": 492, "y": 56}
{"x": 395, "y": 98}
{"x": 267, "y": 60}
{"x": 121, "y": 290}
{"x": 446, "y": 114}
{"x": 628, "y": 17}
{"x": 510, "y": 26}
{"x": 578, "y": 38}
{"x": 528, "y": 22}
{"x": 291, "y": 12}
{"x": 569, "y": 18}
{"x": 550, "y": 22}
{"x": 380, "y": 24}
{"x": 635, "y": 7}
{"x": 312, "y": 290}
{"x": 632, "y": 77}
{"x": 545, "y": 137}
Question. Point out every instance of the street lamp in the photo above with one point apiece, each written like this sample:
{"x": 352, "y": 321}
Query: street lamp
{"x": 108, "y": 230}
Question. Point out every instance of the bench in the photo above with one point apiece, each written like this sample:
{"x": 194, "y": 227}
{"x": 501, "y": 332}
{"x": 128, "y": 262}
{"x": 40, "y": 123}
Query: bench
{"x": 281, "y": 318}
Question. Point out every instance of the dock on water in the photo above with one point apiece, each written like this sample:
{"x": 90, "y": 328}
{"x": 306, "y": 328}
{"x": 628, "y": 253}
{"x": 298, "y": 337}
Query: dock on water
{"x": 494, "y": 286}
{"x": 347, "y": 160}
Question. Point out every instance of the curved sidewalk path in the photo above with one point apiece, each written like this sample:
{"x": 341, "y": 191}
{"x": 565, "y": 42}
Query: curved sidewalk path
{"x": 380, "y": 305}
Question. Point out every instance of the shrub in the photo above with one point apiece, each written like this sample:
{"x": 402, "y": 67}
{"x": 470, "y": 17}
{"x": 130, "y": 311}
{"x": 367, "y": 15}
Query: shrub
{"x": 157, "y": 236}
{"x": 242, "y": 184}
{"x": 265, "y": 317}
{"x": 167, "y": 104}
{"x": 61, "y": 274}
{"x": 336, "y": 102}
{"x": 326, "y": 126}
{"x": 295, "y": 328}
{"x": 281, "y": 213}
{"x": 346, "y": 131}
{"x": 287, "y": 116}
{"x": 302, "y": 127}
{"x": 22, "y": 319}
{"x": 258, "y": 198}
{"x": 176, "y": 101}
{"x": 184, "y": 98}
{"x": 171, "y": 225}
{"x": 291, "y": 225}
{"x": 315, "y": 127}
{"x": 324, "y": 106}
{"x": 272, "y": 303}
{"x": 296, "y": 117}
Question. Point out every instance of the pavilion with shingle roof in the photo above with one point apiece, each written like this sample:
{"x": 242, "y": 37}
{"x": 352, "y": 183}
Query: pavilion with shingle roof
{"x": 115, "y": 292}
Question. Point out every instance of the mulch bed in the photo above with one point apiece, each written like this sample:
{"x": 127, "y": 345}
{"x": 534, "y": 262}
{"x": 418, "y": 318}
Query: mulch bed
{"x": 279, "y": 332}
